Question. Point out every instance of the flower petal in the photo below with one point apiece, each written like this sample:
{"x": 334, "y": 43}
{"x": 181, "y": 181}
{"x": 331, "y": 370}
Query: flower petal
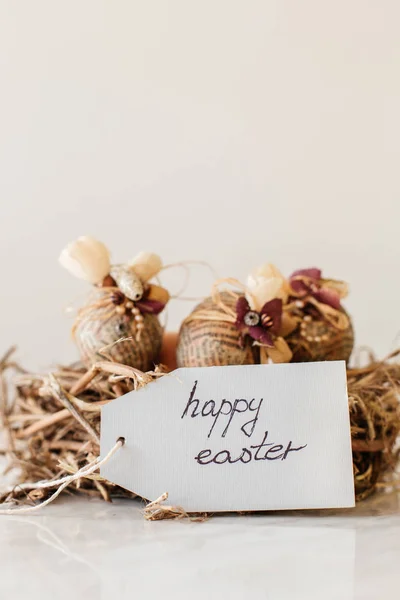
{"x": 312, "y": 273}
{"x": 86, "y": 258}
{"x": 242, "y": 307}
{"x": 146, "y": 265}
{"x": 288, "y": 325}
{"x": 266, "y": 271}
{"x": 153, "y": 307}
{"x": 261, "y": 335}
{"x": 328, "y": 296}
{"x": 299, "y": 287}
{"x": 340, "y": 286}
{"x": 273, "y": 309}
{"x": 281, "y": 352}
{"x": 265, "y": 283}
{"x": 156, "y": 292}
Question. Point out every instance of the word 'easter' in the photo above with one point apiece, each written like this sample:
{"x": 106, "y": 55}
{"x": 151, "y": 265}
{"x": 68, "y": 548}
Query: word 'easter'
{"x": 272, "y": 451}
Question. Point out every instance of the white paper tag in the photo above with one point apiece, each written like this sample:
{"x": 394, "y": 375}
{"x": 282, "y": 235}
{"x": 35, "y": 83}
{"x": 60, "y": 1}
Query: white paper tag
{"x": 257, "y": 437}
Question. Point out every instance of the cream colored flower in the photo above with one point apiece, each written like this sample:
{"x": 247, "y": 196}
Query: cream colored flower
{"x": 146, "y": 265}
{"x": 264, "y": 284}
{"x": 87, "y": 259}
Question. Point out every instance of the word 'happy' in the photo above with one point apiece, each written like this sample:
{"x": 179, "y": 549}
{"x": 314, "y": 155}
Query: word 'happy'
{"x": 226, "y": 408}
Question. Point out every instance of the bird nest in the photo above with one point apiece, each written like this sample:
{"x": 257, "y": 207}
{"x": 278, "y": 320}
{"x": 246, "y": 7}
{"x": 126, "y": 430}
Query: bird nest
{"x": 52, "y": 425}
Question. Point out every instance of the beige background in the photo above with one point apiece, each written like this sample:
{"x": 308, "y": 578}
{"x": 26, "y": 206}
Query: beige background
{"x": 228, "y": 131}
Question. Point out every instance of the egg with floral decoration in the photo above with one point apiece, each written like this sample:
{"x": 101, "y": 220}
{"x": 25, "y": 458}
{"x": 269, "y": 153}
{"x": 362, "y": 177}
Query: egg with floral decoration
{"x": 120, "y": 319}
{"x": 242, "y": 326}
{"x": 325, "y": 330}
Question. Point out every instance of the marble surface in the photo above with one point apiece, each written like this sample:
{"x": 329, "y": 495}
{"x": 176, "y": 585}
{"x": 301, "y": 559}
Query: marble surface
{"x": 79, "y": 548}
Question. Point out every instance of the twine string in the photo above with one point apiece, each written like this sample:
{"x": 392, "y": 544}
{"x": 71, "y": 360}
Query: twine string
{"x": 337, "y": 319}
{"x": 63, "y": 482}
{"x": 98, "y": 308}
{"x": 222, "y": 312}
{"x": 185, "y": 266}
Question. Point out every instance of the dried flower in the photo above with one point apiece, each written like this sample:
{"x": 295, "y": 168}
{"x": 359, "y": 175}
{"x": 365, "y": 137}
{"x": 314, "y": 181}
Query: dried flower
{"x": 264, "y": 284}
{"x": 262, "y": 326}
{"x": 153, "y": 307}
{"x": 86, "y": 258}
{"x": 146, "y": 265}
{"x": 309, "y": 282}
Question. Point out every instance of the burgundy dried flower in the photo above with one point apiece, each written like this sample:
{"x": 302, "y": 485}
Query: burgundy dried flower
{"x": 308, "y": 282}
{"x": 153, "y": 307}
{"x": 261, "y": 326}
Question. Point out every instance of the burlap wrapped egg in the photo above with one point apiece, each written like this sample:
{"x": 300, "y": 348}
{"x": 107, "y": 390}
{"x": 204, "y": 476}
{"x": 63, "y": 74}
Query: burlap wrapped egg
{"x": 120, "y": 320}
{"x": 126, "y": 337}
{"x": 213, "y": 341}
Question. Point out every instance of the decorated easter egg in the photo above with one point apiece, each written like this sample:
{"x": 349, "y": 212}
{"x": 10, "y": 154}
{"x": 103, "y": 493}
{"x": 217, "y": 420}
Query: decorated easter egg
{"x": 120, "y": 320}
{"x": 126, "y": 337}
{"x": 207, "y": 340}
